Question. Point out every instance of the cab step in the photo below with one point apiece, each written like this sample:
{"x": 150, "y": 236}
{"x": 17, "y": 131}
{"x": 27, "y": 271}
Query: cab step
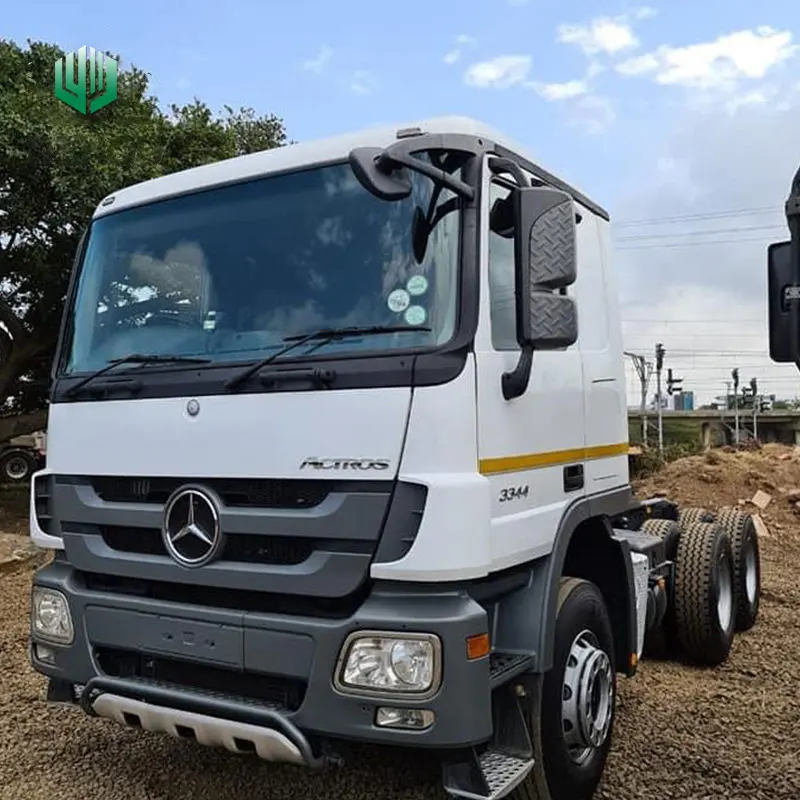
{"x": 489, "y": 776}
{"x": 505, "y": 666}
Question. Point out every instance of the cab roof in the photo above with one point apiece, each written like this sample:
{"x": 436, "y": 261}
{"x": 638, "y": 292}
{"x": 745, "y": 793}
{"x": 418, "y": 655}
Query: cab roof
{"x": 311, "y": 153}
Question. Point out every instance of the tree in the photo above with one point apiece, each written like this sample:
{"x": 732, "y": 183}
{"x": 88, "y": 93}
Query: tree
{"x": 55, "y": 167}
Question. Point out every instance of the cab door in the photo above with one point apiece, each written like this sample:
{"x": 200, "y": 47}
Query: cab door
{"x": 531, "y": 448}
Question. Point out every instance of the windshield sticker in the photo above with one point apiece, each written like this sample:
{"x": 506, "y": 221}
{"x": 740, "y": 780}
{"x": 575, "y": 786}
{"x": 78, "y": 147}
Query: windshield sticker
{"x": 398, "y": 300}
{"x": 417, "y": 285}
{"x": 416, "y": 315}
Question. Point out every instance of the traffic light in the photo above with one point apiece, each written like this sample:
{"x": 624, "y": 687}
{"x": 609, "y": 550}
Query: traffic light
{"x": 659, "y": 357}
{"x": 753, "y": 386}
{"x": 735, "y": 376}
{"x": 673, "y": 384}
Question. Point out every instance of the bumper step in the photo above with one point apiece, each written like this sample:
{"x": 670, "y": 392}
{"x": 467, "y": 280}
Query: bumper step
{"x": 237, "y": 737}
{"x": 491, "y": 775}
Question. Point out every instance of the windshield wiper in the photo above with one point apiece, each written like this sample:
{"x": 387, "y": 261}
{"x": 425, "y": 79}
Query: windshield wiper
{"x": 134, "y": 358}
{"x": 325, "y": 335}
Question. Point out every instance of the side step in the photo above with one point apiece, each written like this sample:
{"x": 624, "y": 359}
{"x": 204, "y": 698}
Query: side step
{"x": 488, "y": 776}
{"x": 504, "y": 764}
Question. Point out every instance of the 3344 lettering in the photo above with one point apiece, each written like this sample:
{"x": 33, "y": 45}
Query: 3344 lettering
{"x": 513, "y": 493}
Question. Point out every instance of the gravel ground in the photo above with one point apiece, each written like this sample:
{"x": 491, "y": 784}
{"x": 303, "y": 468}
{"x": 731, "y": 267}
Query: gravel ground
{"x": 732, "y": 733}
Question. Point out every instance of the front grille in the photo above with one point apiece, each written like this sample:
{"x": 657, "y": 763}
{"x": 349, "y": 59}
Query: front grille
{"x": 241, "y": 548}
{"x": 234, "y": 492}
{"x": 241, "y": 600}
{"x": 268, "y": 690}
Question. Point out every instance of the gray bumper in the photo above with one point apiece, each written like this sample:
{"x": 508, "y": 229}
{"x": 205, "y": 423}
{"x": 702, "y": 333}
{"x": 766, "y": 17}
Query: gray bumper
{"x": 252, "y": 649}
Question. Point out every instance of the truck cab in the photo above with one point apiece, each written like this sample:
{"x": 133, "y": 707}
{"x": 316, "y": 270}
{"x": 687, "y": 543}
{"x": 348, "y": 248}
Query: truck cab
{"x": 337, "y": 451}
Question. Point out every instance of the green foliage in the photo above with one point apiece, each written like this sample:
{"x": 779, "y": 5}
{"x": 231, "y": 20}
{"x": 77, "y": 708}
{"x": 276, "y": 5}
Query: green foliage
{"x": 55, "y": 167}
{"x": 650, "y": 462}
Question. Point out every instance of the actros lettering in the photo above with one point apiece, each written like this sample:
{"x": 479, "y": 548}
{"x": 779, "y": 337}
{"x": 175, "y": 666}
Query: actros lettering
{"x": 363, "y": 464}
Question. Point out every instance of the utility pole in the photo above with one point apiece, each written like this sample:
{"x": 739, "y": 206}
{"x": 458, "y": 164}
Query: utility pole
{"x": 659, "y": 367}
{"x": 644, "y": 369}
{"x": 735, "y": 376}
{"x": 756, "y": 403}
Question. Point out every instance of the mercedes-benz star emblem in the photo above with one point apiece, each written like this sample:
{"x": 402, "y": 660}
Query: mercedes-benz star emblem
{"x": 191, "y": 531}
{"x": 193, "y": 407}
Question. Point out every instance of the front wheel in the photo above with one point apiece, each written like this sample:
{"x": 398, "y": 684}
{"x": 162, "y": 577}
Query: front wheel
{"x": 571, "y": 714}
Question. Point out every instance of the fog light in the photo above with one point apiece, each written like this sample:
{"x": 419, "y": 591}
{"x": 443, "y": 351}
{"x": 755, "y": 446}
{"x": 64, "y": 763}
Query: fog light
{"x": 393, "y": 663}
{"x": 45, "y": 654}
{"x": 409, "y": 718}
{"x": 51, "y": 618}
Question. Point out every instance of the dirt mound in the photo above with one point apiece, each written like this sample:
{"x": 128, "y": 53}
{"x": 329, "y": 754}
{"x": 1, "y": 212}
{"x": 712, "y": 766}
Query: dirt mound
{"x": 729, "y": 477}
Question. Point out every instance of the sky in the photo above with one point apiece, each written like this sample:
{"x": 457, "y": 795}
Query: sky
{"x": 680, "y": 118}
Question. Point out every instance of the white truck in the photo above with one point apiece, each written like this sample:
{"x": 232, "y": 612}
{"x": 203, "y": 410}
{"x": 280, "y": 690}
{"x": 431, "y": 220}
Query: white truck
{"x": 338, "y": 452}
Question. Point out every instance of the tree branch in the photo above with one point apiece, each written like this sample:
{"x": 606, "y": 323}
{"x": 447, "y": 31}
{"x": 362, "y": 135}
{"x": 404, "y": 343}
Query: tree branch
{"x": 12, "y": 323}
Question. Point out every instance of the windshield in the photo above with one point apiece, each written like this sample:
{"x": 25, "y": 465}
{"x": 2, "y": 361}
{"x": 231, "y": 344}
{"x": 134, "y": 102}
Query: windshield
{"x": 228, "y": 273}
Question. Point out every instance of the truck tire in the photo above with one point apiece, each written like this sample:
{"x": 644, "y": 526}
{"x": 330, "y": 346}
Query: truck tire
{"x": 16, "y": 466}
{"x": 571, "y": 711}
{"x": 688, "y": 516}
{"x": 668, "y": 531}
{"x": 662, "y": 641}
{"x": 746, "y": 564}
{"x": 704, "y": 593}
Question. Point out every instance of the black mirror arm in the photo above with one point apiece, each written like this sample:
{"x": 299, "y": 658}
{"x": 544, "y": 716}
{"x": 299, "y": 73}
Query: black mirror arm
{"x": 501, "y": 166}
{"x": 397, "y": 155}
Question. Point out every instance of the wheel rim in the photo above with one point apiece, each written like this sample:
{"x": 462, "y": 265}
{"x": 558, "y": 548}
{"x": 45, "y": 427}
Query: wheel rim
{"x": 750, "y": 574}
{"x": 16, "y": 468}
{"x": 725, "y": 593}
{"x": 587, "y": 700}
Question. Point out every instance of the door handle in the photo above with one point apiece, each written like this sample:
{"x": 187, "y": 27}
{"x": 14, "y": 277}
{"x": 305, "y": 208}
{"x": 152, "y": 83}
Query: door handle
{"x": 573, "y": 478}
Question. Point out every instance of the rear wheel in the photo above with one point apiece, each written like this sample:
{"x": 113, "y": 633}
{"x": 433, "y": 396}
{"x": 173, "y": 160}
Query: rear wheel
{"x": 746, "y": 564}
{"x": 704, "y": 593}
{"x": 668, "y": 531}
{"x": 688, "y": 516}
{"x": 572, "y": 707}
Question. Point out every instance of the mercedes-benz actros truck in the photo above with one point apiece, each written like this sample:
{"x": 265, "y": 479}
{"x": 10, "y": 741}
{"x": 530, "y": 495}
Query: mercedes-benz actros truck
{"x": 338, "y": 452}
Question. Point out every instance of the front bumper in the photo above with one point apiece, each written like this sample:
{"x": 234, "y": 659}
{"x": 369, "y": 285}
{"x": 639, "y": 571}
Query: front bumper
{"x": 245, "y": 652}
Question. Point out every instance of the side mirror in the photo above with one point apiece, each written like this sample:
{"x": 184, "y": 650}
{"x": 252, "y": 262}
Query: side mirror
{"x": 783, "y": 304}
{"x": 545, "y": 261}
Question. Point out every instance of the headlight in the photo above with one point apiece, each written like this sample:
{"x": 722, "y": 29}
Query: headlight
{"x": 391, "y": 663}
{"x": 51, "y": 617}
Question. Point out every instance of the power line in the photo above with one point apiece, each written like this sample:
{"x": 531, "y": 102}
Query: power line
{"x": 731, "y": 321}
{"x": 759, "y": 239}
{"x": 702, "y": 215}
{"x": 710, "y": 232}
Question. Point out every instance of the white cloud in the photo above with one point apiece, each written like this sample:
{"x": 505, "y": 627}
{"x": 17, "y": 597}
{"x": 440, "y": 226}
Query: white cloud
{"x": 561, "y": 91}
{"x": 638, "y": 65}
{"x": 644, "y": 12}
{"x": 603, "y": 35}
{"x": 454, "y": 55}
{"x": 721, "y": 63}
{"x": 498, "y": 73}
{"x": 320, "y": 61}
{"x": 362, "y": 82}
